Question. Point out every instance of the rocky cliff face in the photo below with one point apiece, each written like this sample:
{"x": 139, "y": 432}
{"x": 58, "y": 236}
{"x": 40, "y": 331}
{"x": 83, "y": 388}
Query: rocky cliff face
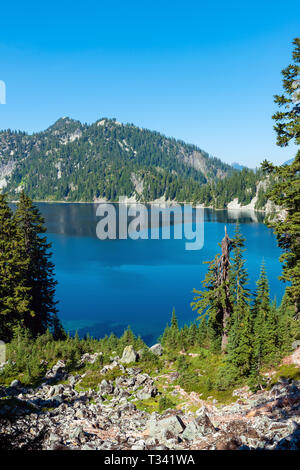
{"x": 56, "y": 415}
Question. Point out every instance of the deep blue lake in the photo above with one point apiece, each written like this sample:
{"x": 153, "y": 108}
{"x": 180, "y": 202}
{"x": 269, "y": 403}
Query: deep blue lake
{"x": 106, "y": 285}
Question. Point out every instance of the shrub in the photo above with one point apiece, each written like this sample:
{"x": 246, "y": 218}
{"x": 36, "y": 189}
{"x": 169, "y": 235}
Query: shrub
{"x": 165, "y": 403}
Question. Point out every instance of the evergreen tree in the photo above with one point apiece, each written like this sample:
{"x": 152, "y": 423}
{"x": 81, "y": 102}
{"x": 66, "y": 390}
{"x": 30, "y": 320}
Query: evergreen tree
{"x": 288, "y": 125}
{"x": 285, "y": 192}
{"x": 39, "y": 275}
{"x": 203, "y": 332}
{"x": 208, "y": 304}
{"x": 238, "y": 273}
{"x": 165, "y": 337}
{"x": 174, "y": 331}
{"x": 171, "y": 335}
{"x": 127, "y": 338}
{"x": 240, "y": 348}
{"x": 174, "y": 322}
{"x": 264, "y": 331}
{"x": 287, "y": 327}
{"x": 271, "y": 335}
{"x": 193, "y": 335}
{"x": 58, "y": 330}
{"x": 14, "y": 294}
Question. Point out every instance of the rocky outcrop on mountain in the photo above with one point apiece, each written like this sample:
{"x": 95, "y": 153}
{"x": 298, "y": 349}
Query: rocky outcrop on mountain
{"x": 58, "y": 415}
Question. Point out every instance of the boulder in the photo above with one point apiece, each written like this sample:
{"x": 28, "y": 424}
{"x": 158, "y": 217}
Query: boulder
{"x": 77, "y": 434}
{"x": 73, "y": 379}
{"x": 198, "y": 428}
{"x": 123, "y": 394}
{"x": 202, "y": 423}
{"x": 172, "y": 424}
{"x": 105, "y": 387}
{"x": 15, "y": 383}
{"x": 139, "y": 445}
{"x": 129, "y": 355}
{"x": 140, "y": 353}
{"x": 57, "y": 373}
{"x": 296, "y": 344}
{"x": 141, "y": 379}
{"x": 147, "y": 392}
{"x": 57, "y": 400}
{"x": 157, "y": 349}
{"x": 91, "y": 358}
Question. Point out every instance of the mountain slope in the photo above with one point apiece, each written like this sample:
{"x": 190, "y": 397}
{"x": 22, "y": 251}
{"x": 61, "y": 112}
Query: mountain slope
{"x": 72, "y": 161}
{"x": 237, "y": 166}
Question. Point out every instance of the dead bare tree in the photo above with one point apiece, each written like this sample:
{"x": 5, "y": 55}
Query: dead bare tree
{"x": 223, "y": 265}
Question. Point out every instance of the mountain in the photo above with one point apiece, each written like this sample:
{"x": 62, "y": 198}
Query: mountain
{"x": 237, "y": 166}
{"x": 71, "y": 161}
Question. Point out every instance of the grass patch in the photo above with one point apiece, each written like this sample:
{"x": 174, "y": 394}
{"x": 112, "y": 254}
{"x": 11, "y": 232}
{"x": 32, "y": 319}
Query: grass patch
{"x": 150, "y": 405}
{"x": 290, "y": 372}
{"x": 93, "y": 378}
{"x": 198, "y": 374}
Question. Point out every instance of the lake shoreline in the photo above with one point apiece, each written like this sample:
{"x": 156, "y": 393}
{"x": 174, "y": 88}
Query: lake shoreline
{"x": 152, "y": 203}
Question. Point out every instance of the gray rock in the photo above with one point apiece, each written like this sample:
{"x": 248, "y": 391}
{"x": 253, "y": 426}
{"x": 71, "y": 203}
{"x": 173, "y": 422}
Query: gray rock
{"x": 157, "y": 349}
{"x": 57, "y": 400}
{"x": 146, "y": 393}
{"x": 53, "y": 438}
{"x": 172, "y": 424}
{"x": 140, "y": 353}
{"x": 106, "y": 387}
{"x": 56, "y": 373}
{"x": 88, "y": 447}
{"x": 150, "y": 441}
{"x": 91, "y": 358}
{"x": 123, "y": 394}
{"x": 202, "y": 423}
{"x": 296, "y": 344}
{"x": 77, "y": 433}
{"x": 53, "y": 441}
{"x": 141, "y": 378}
{"x": 139, "y": 445}
{"x": 133, "y": 371}
{"x": 198, "y": 428}
{"x": 115, "y": 358}
{"x": 129, "y": 355}
{"x": 81, "y": 413}
{"x": 15, "y": 383}
{"x": 73, "y": 379}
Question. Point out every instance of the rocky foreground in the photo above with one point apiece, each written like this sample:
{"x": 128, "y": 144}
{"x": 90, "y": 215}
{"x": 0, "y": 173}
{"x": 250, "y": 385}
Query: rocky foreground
{"x": 57, "y": 416}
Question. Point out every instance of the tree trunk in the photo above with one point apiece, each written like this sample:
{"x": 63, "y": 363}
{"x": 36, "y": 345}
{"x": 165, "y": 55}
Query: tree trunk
{"x": 223, "y": 277}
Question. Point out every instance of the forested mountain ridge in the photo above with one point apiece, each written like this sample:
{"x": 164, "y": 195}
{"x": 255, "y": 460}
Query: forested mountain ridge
{"x": 72, "y": 161}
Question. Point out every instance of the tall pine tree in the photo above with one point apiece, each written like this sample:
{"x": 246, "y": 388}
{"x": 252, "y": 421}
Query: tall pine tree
{"x": 39, "y": 276}
{"x": 285, "y": 192}
{"x": 15, "y": 295}
{"x": 240, "y": 342}
{"x": 264, "y": 340}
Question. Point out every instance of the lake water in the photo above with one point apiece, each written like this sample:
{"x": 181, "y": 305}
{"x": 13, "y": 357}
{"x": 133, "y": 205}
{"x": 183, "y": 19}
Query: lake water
{"x": 106, "y": 285}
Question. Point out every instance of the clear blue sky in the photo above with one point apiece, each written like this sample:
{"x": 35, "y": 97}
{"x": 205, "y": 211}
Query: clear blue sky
{"x": 199, "y": 71}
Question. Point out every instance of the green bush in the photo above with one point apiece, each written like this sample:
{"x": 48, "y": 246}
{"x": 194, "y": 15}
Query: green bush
{"x": 227, "y": 376}
{"x": 165, "y": 403}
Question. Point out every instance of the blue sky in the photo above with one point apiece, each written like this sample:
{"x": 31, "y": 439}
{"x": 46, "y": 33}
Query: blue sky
{"x": 204, "y": 73}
